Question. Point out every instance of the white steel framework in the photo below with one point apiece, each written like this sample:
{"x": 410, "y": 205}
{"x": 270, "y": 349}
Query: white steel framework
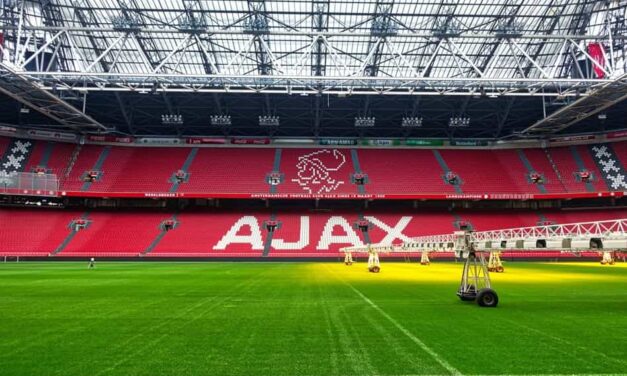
{"x": 392, "y": 47}
{"x": 572, "y": 237}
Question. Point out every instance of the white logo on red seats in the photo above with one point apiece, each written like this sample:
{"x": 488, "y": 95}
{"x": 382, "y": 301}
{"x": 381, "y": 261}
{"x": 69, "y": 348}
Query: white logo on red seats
{"x": 393, "y": 233}
{"x": 317, "y": 170}
{"x": 336, "y": 231}
{"x": 610, "y": 167}
{"x": 232, "y": 237}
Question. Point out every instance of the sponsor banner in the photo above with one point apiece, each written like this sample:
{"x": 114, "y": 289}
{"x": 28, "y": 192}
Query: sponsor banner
{"x": 204, "y": 140}
{"x": 572, "y": 138}
{"x": 469, "y": 143}
{"x": 381, "y": 142}
{"x": 250, "y": 141}
{"x": 159, "y": 141}
{"x": 417, "y": 142}
{"x": 114, "y": 139}
{"x": 52, "y": 135}
{"x": 348, "y": 196}
{"x": 619, "y": 134}
{"x": 338, "y": 142}
{"x": 299, "y": 141}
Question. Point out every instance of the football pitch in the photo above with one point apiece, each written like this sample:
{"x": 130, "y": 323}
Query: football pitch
{"x": 59, "y": 318}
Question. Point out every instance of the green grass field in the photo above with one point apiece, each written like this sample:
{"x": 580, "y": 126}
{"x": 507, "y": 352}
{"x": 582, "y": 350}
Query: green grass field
{"x": 307, "y": 319}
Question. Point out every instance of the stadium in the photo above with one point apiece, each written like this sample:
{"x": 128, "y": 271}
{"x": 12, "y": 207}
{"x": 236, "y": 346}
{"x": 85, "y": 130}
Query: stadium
{"x": 313, "y": 187}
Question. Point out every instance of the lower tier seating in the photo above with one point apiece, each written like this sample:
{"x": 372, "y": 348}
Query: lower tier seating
{"x": 65, "y": 233}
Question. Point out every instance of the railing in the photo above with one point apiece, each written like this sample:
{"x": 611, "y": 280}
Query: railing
{"x": 615, "y": 229}
{"x": 29, "y": 183}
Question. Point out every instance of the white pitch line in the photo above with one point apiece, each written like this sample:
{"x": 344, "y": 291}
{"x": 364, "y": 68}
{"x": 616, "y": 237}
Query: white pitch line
{"x": 416, "y": 340}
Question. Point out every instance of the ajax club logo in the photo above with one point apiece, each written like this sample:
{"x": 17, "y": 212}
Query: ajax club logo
{"x": 318, "y": 171}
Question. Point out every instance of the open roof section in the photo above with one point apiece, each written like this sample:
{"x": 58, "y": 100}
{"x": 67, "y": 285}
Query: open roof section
{"x": 389, "y": 47}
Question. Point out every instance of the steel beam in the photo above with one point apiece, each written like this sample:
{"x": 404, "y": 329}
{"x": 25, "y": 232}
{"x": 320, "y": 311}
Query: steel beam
{"x": 34, "y": 96}
{"x": 599, "y": 99}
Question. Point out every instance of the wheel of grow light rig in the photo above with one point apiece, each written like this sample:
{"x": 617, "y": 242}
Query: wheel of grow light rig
{"x": 374, "y": 269}
{"x": 500, "y": 269}
{"x": 348, "y": 263}
{"x": 487, "y": 298}
{"x": 468, "y": 296}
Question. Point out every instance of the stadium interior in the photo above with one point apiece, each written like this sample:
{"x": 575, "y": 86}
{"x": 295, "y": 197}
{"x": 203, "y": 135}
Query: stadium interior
{"x": 292, "y": 143}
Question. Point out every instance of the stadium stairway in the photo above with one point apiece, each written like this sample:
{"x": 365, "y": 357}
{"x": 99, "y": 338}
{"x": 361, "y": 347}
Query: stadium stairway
{"x": 365, "y": 234}
{"x": 160, "y": 236}
{"x": 361, "y": 188}
{"x": 276, "y": 168}
{"x": 484, "y": 171}
{"x": 568, "y": 162}
{"x": 97, "y": 166}
{"x": 70, "y": 236}
{"x": 530, "y": 169}
{"x": 446, "y": 170}
{"x": 267, "y": 244}
{"x": 538, "y": 161}
{"x": 184, "y": 169}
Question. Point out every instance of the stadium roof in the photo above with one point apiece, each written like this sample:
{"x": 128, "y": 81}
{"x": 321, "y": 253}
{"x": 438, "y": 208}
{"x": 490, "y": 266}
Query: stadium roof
{"x": 521, "y": 54}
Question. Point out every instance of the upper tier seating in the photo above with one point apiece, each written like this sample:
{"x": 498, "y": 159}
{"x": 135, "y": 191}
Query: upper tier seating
{"x": 568, "y": 168}
{"x": 225, "y": 171}
{"x": 28, "y": 232}
{"x": 85, "y": 162}
{"x": 540, "y": 162}
{"x": 481, "y": 172}
{"x": 317, "y": 171}
{"x": 53, "y": 157}
{"x": 245, "y": 171}
{"x": 402, "y": 172}
{"x": 133, "y": 169}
